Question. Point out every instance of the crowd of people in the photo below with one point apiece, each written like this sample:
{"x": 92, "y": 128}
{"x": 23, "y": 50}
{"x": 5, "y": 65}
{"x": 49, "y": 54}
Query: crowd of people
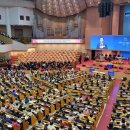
{"x": 23, "y": 95}
{"x": 85, "y": 108}
{"x": 120, "y": 117}
{"x": 45, "y": 65}
{"x": 109, "y": 57}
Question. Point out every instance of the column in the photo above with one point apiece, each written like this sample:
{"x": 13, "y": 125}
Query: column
{"x": 106, "y": 23}
{"x": 115, "y": 20}
{"x": 8, "y": 26}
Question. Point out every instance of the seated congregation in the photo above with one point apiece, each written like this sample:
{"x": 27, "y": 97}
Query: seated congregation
{"x": 53, "y": 99}
{"x": 120, "y": 117}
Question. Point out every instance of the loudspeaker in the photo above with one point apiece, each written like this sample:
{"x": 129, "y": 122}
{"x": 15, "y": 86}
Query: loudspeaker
{"x": 93, "y": 54}
{"x": 105, "y": 8}
{"x": 105, "y": 68}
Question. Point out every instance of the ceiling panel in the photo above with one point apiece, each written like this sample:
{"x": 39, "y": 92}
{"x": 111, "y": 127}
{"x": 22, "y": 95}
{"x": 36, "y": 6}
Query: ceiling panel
{"x": 63, "y": 8}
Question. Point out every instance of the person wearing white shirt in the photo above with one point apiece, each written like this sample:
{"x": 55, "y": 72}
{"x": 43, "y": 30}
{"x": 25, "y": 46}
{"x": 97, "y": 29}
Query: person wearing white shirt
{"x": 51, "y": 126}
{"x": 74, "y": 127}
{"x": 70, "y": 118}
{"x": 81, "y": 115}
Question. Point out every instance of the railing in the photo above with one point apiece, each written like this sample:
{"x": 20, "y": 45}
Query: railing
{"x": 25, "y": 40}
{"x": 5, "y": 39}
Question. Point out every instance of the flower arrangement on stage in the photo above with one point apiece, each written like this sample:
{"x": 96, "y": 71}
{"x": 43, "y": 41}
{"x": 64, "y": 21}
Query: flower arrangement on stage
{"x": 118, "y": 62}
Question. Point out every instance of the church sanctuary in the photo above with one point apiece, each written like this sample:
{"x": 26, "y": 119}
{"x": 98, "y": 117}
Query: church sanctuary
{"x": 64, "y": 64}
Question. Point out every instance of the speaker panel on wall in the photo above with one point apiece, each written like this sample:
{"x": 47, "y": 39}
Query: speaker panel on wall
{"x": 105, "y": 8}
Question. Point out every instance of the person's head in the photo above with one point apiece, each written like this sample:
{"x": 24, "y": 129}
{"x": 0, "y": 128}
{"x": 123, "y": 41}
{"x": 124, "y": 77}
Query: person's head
{"x": 62, "y": 127}
{"x": 124, "y": 111}
{"x": 123, "y": 126}
{"x": 84, "y": 126}
{"x": 127, "y": 116}
{"x": 34, "y": 128}
{"x": 51, "y": 123}
{"x": 127, "y": 124}
{"x": 111, "y": 125}
{"x": 101, "y": 40}
{"x": 70, "y": 126}
{"x": 123, "y": 120}
{"x": 91, "y": 115}
{"x": 75, "y": 124}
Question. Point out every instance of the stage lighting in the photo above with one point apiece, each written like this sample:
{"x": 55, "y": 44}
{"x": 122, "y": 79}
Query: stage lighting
{"x": 105, "y": 8}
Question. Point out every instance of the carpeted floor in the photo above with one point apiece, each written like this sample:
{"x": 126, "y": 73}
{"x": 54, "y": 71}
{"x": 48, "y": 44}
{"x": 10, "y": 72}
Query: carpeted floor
{"x": 105, "y": 119}
{"x": 120, "y": 73}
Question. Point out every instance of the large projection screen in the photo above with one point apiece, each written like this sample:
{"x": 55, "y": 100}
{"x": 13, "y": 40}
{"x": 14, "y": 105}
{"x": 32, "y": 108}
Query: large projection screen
{"x": 110, "y": 42}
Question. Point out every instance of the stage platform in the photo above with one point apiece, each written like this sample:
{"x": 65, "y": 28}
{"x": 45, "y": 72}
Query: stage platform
{"x": 121, "y": 70}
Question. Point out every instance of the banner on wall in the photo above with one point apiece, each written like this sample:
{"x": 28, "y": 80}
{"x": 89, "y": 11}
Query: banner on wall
{"x": 55, "y": 41}
{"x": 110, "y": 42}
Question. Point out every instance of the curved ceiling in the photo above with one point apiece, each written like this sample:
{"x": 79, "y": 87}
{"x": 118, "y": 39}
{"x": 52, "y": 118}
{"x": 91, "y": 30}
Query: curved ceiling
{"x": 63, "y": 8}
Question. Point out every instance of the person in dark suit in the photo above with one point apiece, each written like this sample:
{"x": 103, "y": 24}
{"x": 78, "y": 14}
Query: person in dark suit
{"x": 101, "y": 44}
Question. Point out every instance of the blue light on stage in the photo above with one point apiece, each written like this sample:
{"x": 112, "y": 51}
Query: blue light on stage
{"x": 109, "y": 66}
{"x": 91, "y": 69}
{"x": 111, "y": 73}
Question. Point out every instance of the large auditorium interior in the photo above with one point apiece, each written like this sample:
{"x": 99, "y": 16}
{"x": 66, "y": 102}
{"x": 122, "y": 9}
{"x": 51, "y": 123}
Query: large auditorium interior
{"x": 64, "y": 64}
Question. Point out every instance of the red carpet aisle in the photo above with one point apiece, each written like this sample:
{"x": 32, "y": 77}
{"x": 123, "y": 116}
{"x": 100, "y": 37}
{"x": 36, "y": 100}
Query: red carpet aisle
{"x": 105, "y": 119}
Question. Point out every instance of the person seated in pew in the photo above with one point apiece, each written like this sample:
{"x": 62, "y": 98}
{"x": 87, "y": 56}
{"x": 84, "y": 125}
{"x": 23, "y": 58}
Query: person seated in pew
{"x": 2, "y": 125}
{"x": 103, "y": 77}
{"x": 128, "y": 118}
{"x": 110, "y": 126}
{"x": 123, "y": 127}
{"x": 97, "y": 76}
{"x": 91, "y": 117}
{"x": 47, "y": 118}
{"x": 128, "y": 125}
{"x": 74, "y": 126}
{"x": 8, "y": 119}
{"x": 70, "y": 127}
{"x": 61, "y": 127}
{"x": 77, "y": 119}
{"x": 63, "y": 123}
{"x": 86, "y": 111}
{"x": 81, "y": 115}
{"x": 14, "y": 93}
{"x": 124, "y": 113}
{"x": 51, "y": 126}
{"x": 114, "y": 109}
{"x": 109, "y": 78}
{"x": 129, "y": 83}
{"x": 26, "y": 100}
{"x": 64, "y": 116}
{"x": 117, "y": 116}
{"x": 70, "y": 117}
{"x": 84, "y": 127}
{"x": 45, "y": 127}
{"x": 55, "y": 120}
{"x": 118, "y": 103}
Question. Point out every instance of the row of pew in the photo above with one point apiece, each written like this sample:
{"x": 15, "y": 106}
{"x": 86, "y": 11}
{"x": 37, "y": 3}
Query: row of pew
{"x": 120, "y": 117}
{"x": 78, "y": 86}
{"x": 49, "y": 56}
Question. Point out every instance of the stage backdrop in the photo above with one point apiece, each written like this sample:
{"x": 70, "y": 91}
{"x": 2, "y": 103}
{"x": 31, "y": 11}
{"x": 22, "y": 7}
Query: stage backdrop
{"x": 126, "y": 28}
{"x": 110, "y": 42}
{"x": 126, "y": 21}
